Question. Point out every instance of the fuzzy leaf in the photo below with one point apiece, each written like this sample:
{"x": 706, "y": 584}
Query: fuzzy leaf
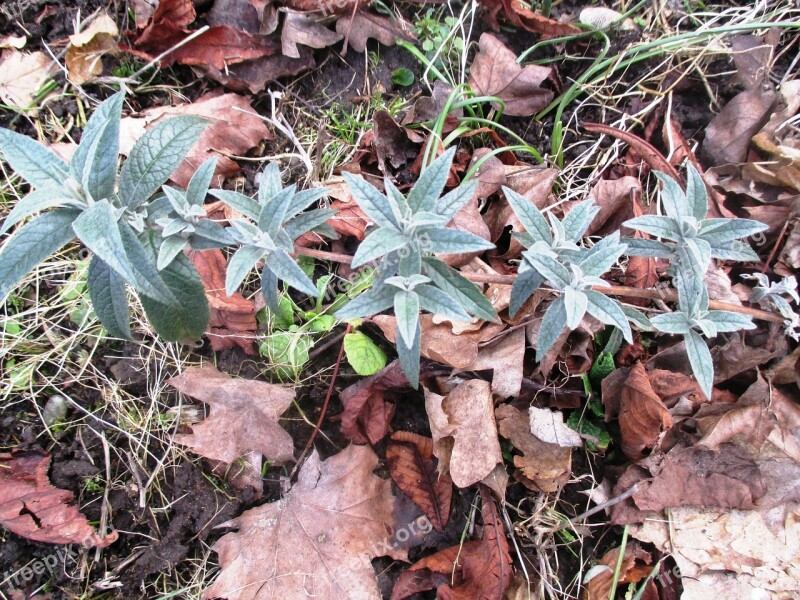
{"x": 284, "y": 267}
{"x": 303, "y": 199}
{"x": 406, "y": 311}
{"x": 647, "y": 248}
{"x": 36, "y": 201}
{"x": 36, "y": 164}
{"x": 273, "y": 213}
{"x": 378, "y": 243}
{"x": 726, "y": 321}
{"x": 608, "y": 311}
{"x": 210, "y": 230}
{"x": 530, "y": 216}
{"x": 369, "y": 303}
{"x": 735, "y": 250}
{"x": 109, "y": 298}
{"x": 675, "y": 323}
{"x": 578, "y": 220}
{"x": 701, "y": 361}
{"x": 269, "y": 289}
{"x": 602, "y": 256}
{"x": 424, "y": 196}
{"x": 448, "y": 205}
{"x": 696, "y": 193}
{"x": 673, "y": 200}
{"x": 462, "y": 289}
{"x": 575, "y": 305}
{"x": 409, "y": 357}
{"x": 238, "y": 202}
{"x": 663, "y": 227}
{"x": 240, "y": 265}
{"x": 720, "y": 231}
{"x": 95, "y": 161}
{"x": 170, "y": 248}
{"x": 526, "y": 283}
{"x": 438, "y": 302}
{"x": 549, "y": 268}
{"x": 197, "y": 189}
{"x": 452, "y": 241}
{"x": 372, "y": 202}
{"x": 307, "y": 221}
{"x": 552, "y": 325}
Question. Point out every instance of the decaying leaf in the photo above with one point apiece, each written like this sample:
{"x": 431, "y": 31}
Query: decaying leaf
{"x": 464, "y": 431}
{"x": 476, "y": 570}
{"x": 318, "y": 540}
{"x": 305, "y": 29}
{"x": 727, "y": 137}
{"x": 495, "y": 72}
{"x": 32, "y": 508}
{"x": 365, "y": 25}
{"x": 243, "y": 417}
{"x": 542, "y": 467}
{"x": 84, "y": 57}
{"x": 518, "y": 15}
{"x": 636, "y": 565}
{"x": 642, "y": 414}
{"x": 367, "y": 412}
{"x": 21, "y": 76}
{"x": 505, "y": 357}
{"x": 548, "y": 426}
{"x": 233, "y": 318}
{"x": 413, "y": 467}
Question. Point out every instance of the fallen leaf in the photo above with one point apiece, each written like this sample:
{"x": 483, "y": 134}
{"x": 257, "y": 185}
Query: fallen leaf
{"x": 518, "y": 15}
{"x": 495, "y": 72}
{"x": 233, "y": 318}
{"x": 243, "y": 417}
{"x": 543, "y": 466}
{"x": 727, "y": 136}
{"x": 318, "y": 540}
{"x": 505, "y": 357}
{"x": 742, "y": 353}
{"x": 21, "y": 77}
{"x": 616, "y": 199}
{"x": 636, "y": 564}
{"x": 413, "y": 467}
{"x": 365, "y": 25}
{"x": 84, "y": 57}
{"x": 548, "y": 426}
{"x": 476, "y": 570}
{"x": 464, "y": 431}
{"x": 391, "y": 142}
{"x": 305, "y": 29}
{"x": 234, "y": 129}
{"x": 13, "y": 41}
{"x": 367, "y": 411}
{"x": 642, "y": 414}
{"x": 32, "y": 508}
{"x": 142, "y": 11}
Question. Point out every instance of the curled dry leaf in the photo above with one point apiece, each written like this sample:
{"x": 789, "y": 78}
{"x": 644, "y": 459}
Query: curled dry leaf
{"x": 505, "y": 357}
{"x": 84, "y": 57}
{"x": 32, "y": 508}
{"x": 243, "y": 417}
{"x": 476, "y": 570}
{"x": 233, "y": 318}
{"x": 518, "y": 15}
{"x": 642, "y": 414}
{"x": 318, "y": 540}
{"x": 548, "y": 426}
{"x": 464, "y": 431}
{"x": 367, "y": 413}
{"x": 636, "y": 565}
{"x": 495, "y": 72}
{"x": 413, "y": 467}
{"x": 542, "y": 467}
{"x": 234, "y": 129}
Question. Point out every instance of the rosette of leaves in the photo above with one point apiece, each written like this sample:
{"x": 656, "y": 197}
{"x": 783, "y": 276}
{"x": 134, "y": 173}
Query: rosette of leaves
{"x": 409, "y": 231}
{"x": 770, "y": 296}
{"x": 106, "y": 210}
{"x": 273, "y": 222}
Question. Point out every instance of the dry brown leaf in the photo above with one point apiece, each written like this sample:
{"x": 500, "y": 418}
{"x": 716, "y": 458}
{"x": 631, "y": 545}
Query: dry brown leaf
{"x": 642, "y": 414}
{"x": 413, "y": 467}
{"x": 542, "y": 467}
{"x": 484, "y": 569}
{"x": 391, "y": 142}
{"x": 21, "y": 76}
{"x": 505, "y": 357}
{"x": 318, "y": 540}
{"x": 32, "y": 508}
{"x": 518, "y": 15}
{"x": 495, "y": 72}
{"x": 234, "y": 129}
{"x": 363, "y": 26}
{"x": 549, "y": 427}
{"x": 727, "y": 136}
{"x": 233, "y": 318}
{"x": 142, "y": 11}
{"x": 305, "y": 29}
{"x": 742, "y": 353}
{"x": 84, "y": 57}
{"x": 367, "y": 413}
{"x": 243, "y": 417}
{"x": 464, "y": 431}
{"x": 636, "y": 565}
{"x": 616, "y": 199}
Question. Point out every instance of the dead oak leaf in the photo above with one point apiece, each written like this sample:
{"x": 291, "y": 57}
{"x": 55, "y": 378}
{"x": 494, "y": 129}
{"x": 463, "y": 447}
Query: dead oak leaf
{"x": 495, "y": 72}
{"x": 32, "y": 508}
{"x": 364, "y": 25}
{"x": 305, "y": 29}
{"x": 243, "y": 417}
{"x": 315, "y": 542}
{"x": 413, "y": 467}
{"x": 642, "y": 414}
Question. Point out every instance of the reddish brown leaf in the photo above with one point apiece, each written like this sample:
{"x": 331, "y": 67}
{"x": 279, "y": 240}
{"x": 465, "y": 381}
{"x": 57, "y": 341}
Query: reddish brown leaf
{"x": 636, "y": 565}
{"x": 305, "y": 29}
{"x": 518, "y": 15}
{"x": 367, "y": 413}
{"x": 642, "y": 414}
{"x": 32, "y": 508}
{"x": 641, "y": 270}
{"x": 728, "y": 135}
{"x": 233, "y": 318}
{"x": 254, "y": 75}
{"x": 484, "y": 570}
{"x": 413, "y": 467}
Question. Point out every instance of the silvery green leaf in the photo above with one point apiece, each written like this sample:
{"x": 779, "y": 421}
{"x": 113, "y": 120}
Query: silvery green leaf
{"x": 726, "y": 321}
{"x": 177, "y": 199}
{"x": 283, "y": 241}
{"x": 36, "y": 164}
{"x": 372, "y": 202}
{"x": 270, "y": 184}
{"x": 397, "y": 199}
{"x": 646, "y": 247}
{"x": 696, "y": 193}
{"x": 699, "y": 252}
{"x": 664, "y": 227}
{"x": 147, "y": 278}
{"x": 31, "y": 244}
{"x": 602, "y": 256}
{"x": 452, "y": 241}
{"x": 274, "y": 212}
{"x": 302, "y": 200}
{"x": 638, "y": 318}
{"x": 406, "y": 311}
{"x": 410, "y": 259}
{"x": 720, "y": 231}
{"x": 436, "y": 301}
{"x": 426, "y": 191}
{"x": 156, "y": 155}
{"x": 453, "y": 201}
{"x": 283, "y": 265}
{"x": 735, "y": 250}
{"x": 302, "y": 223}
{"x": 197, "y": 190}
{"x": 369, "y": 303}
{"x": 675, "y": 323}
{"x": 94, "y": 163}
{"x": 608, "y": 311}
{"x": 238, "y": 202}
{"x": 690, "y": 288}
{"x": 428, "y": 219}
{"x": 575, "y": 305}
{"x": 553, "y": 322}
{"x": 459, "y": 287}
{"x": 549, "y": 268}
{"x": 578, "y": 220}
{"x": 673, "y": 200}
{"x": 240, "y": 265}
{"x": 526, "y": 283}
{"x": 409, "y": 358}
{"x": 708, "y": 328}
{"x": 701, "y": 361}
{"x": 109, "y": 298}
{"x": 170, "y": 248}
{"x": 214, "y": 232}
{"x": 530, "y": 216}
{"x": 36, "y": 201}
{"x": 269, "y": 289}
{"x": 172, "y": 227}
{"x": 378, "y": 243}
{"x": 524, "y": 238}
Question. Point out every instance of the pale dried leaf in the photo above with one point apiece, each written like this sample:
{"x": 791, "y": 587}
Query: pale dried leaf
{"x": 307, "y": 30}
{"x": 548, "y": 426}
{"x": 22, "y": 75}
